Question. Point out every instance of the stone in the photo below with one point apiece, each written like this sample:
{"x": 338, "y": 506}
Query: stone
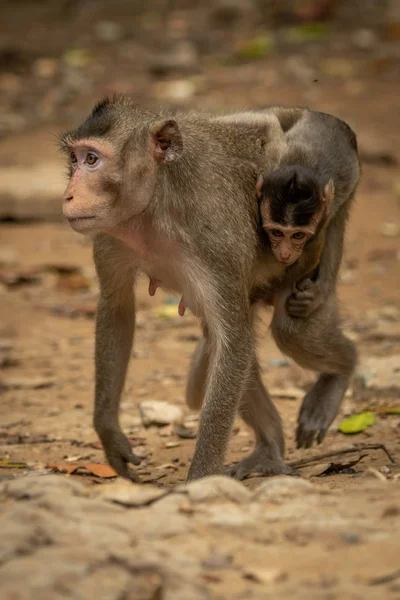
{"x": 28, "y": 488}
{"x": 390, "y": 229}
{"x": 131, "y": 494}
{"x": 281, "y": 488}
{"x": 218, "y": 487}
{"x": 154, "y": 412}
{"x": 32, "y": 192}
{"x": 379, "y": 374}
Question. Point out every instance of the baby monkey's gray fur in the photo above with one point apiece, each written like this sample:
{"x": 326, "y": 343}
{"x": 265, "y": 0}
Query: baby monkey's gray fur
{"x": 174, "y": 197}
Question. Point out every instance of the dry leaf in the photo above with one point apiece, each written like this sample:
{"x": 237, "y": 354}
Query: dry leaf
{"x": 104, "y": 471}
{"x": 67, "y": 469}
{"x": 9, "y": 464}
{"x": 100, "y": 470}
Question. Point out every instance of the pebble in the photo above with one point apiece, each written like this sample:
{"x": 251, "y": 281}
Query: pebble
{"x": 390, "y": 229}
{"x": 155, "y": 412}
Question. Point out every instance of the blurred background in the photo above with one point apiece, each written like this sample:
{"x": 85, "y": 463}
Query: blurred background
{"x": 56, "y": 60}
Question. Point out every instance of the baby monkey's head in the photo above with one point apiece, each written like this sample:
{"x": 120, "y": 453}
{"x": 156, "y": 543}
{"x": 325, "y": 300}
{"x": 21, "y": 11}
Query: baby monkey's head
{"x": 294, "y": 205}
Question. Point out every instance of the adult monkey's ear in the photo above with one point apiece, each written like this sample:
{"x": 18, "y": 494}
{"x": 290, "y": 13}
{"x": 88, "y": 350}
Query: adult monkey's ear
{"x": 166, "y": 142}
{"x": 259, "y": 185}
{"x": 329, "y": 192}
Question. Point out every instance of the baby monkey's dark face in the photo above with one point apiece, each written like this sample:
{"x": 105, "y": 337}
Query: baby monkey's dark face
{"x": 293, "y": 206}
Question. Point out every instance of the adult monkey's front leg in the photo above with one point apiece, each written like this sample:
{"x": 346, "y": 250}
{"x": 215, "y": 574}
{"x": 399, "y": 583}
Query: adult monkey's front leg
{"x": 115, "y": 322}
{"x": 231, "y": 354}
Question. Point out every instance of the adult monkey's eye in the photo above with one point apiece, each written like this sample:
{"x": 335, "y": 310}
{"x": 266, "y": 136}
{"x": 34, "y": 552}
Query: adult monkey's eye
{"x": 299, "y": 235}
{"x": 91, "y": 159}
{"x": 73, "y": 158}
{"x": 276, "y": 232}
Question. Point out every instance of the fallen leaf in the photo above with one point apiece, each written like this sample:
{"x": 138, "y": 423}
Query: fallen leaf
{"x": 67, "y": 469}
{"x": 72, "y": 312}
{"x": 28, "y": 382}
{"x": 387, "y": 410}
{"x": 133, "y": 442}
{"x": 104, "y": 471}
{"x": 11, "y": 439}
{"x": 16, "y": 277}
{"x": 100, "y": 470}
{"x": 357, "y": 423}
{"x": 73, "y": 282}
{"x": 334, "y": 468}
{"x": 218, "y": 561}
{"x": 9, "y": 464}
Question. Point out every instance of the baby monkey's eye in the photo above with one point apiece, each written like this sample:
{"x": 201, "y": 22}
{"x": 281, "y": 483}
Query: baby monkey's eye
{"x": 91, "y": 159}
{"x": 299, "y": 235}
{"x": 276, "y": 232}
{"x": 73, "y": 158}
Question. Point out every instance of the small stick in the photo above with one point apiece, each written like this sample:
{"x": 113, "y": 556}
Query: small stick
{"x": 305, "y": 461}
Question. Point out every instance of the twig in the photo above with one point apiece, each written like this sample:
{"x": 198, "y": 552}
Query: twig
{"x": 358, "y": 448}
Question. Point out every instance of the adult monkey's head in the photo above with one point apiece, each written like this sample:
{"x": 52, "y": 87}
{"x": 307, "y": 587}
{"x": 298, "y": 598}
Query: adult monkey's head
{"x": 112, "y": 163}
{"x": 294, "y": 205}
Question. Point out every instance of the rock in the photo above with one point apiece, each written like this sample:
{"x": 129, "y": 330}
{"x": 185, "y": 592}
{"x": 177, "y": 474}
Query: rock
{"x": 281, "y": 488}
{"x": 265, "y": 576}
{"x": 348, "y": 276}
{"x": 231, "y": 516}
{"x": 226, "y": 13}
{"x": 390, "y": 229}
{"x": 46, "y": 68}
{"x": 28, "y": 382}
{"x": 30, "y": 487}
{"x": 180, "y": 90}
{"x": 131, "y": 494}
{"x": 8, "y": 257}
{"x": 31, "y": 192}
{"x": 154, "y": 412}
{"x": 364, "y": 39}
{"x": 108, "y": 31}
{"x": 181, "y": 58}
{"x": 217, "y": 487}
{"x": 379, "y": 374}
{"x": 290, "y": 393}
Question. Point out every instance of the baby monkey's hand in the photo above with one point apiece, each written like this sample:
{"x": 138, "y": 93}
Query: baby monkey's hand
{"x": 305, "y": 299}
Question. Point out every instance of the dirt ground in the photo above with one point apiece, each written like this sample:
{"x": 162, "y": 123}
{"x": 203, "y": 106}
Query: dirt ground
{"x": 48, "y": 294}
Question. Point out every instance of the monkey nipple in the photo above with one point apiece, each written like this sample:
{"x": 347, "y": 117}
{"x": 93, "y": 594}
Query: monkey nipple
{"x": 153, "y": 285}
{"x": 181, "y": 308}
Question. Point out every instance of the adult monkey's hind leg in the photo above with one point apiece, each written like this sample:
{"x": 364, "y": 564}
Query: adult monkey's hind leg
{"x": 317, "y": 343}
{"x": 196, "y": 383}
{"x": 259, "y": 413}
{"x": 256, "y": 409}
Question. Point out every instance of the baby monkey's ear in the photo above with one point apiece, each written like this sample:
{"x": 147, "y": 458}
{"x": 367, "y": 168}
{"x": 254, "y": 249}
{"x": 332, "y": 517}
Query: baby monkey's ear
{"x": 259, "y": 185}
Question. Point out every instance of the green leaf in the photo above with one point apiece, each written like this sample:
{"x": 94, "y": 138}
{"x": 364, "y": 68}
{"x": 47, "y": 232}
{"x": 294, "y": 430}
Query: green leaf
{"x": 357, "y": 423}
{"x": 256, "y": 48}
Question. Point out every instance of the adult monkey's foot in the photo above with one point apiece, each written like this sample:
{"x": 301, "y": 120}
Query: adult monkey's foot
{"x": 262, "y": 462}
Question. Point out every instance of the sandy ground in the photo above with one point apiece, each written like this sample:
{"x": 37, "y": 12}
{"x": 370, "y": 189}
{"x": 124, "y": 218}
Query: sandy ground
{"x": 46, "y": 365}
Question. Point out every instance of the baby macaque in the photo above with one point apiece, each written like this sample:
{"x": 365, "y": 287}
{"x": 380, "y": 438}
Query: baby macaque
{"x": 294, "y": 207}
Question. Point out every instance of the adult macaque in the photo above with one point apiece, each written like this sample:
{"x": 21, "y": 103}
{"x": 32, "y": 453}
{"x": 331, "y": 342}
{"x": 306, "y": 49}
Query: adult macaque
{"x": 174, "y": 198}
{"x": 169, "y": 198}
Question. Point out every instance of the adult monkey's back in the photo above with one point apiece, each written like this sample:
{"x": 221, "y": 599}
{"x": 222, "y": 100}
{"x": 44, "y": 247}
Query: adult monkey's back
{"x": 172, "y": 199}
